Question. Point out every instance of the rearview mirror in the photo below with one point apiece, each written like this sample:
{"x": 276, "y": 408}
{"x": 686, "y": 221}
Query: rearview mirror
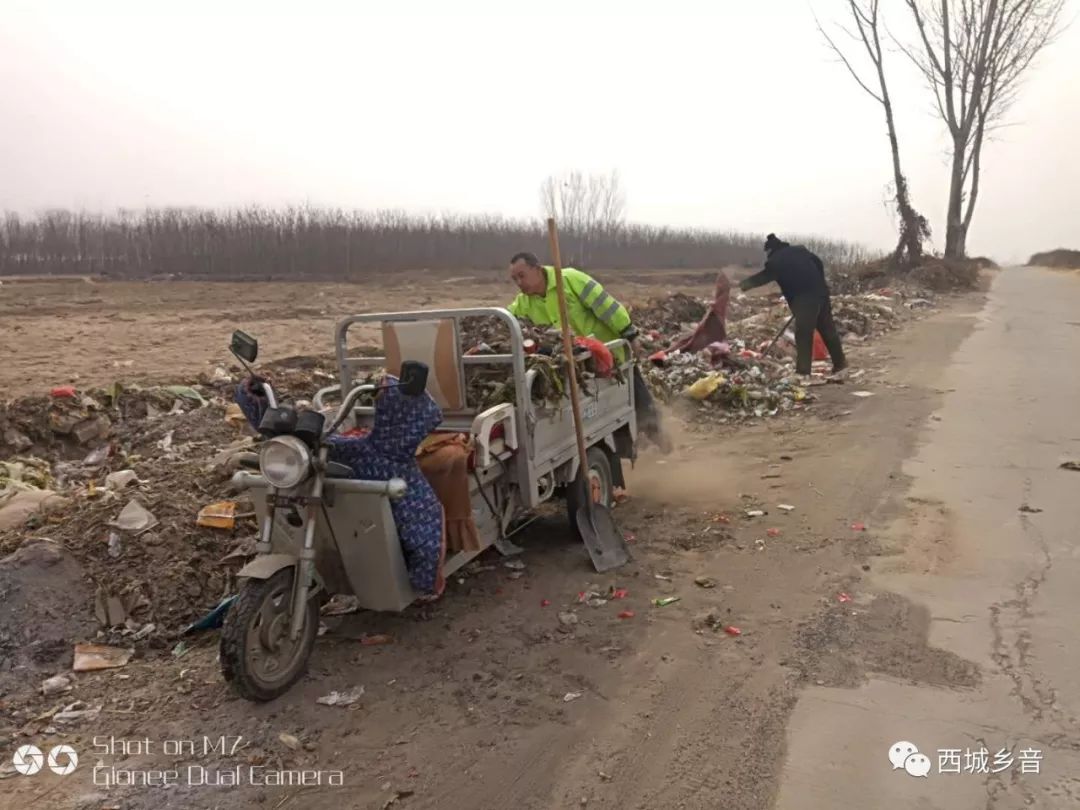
{"x": 413, "y": 379}
{"x": 244, "y": 346}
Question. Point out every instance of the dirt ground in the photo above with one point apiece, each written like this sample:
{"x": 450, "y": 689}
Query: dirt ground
{"x": 509, "y": 692}
{"x": 92, "y": 333}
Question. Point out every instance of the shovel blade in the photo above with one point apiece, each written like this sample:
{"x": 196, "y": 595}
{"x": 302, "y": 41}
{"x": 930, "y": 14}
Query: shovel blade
{"x": 605, "y": 543}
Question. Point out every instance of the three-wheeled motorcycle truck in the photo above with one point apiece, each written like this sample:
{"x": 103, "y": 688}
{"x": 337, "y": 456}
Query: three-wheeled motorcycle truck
{"x": 323, "y": 532}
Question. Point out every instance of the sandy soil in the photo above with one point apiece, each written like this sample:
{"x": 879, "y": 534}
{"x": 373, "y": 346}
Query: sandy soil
{"x": 489, "y": 699}
{"x": 90, "y": 333}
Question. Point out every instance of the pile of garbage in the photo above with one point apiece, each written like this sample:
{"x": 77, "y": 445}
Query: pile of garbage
{"x": 118, "y": 524}
{"x": 661, "y": 314}
{"x": 734, "y": 375}
{"x": 1061, "y": 259}
{"x": 493, "y": 384}
{"x": 133, "y": 484}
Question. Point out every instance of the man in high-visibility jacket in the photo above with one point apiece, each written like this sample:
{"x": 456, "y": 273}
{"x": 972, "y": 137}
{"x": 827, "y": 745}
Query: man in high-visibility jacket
{"x": 592, "y": 312}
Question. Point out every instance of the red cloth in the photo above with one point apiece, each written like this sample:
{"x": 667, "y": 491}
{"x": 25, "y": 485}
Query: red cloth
{"x": 601, "y": 354}
{"x": 713, "y": 327}
{"x": 820, "y": 350}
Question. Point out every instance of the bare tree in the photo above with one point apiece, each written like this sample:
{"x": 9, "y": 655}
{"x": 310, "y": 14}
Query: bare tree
{"x": 866, "y": 22}
{"x": 587, "y": 207}
{"x": 611, "y": 201}
{"x": 973, "y": 55}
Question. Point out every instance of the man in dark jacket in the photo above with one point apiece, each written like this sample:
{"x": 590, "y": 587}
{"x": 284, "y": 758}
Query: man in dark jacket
{"x": 801, "y": 277}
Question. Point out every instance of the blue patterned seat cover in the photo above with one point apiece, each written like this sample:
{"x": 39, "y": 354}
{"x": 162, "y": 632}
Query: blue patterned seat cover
{"x": 389, "y": 451}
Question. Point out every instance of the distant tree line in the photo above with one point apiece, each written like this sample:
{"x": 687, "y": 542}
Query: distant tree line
{"x": 322, "y": 244}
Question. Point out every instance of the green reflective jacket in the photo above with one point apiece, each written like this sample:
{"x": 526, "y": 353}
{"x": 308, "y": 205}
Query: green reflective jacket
{"x": 593, "y": 312}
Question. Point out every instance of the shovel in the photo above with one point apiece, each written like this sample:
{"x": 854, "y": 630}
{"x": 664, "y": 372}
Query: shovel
{"x": 595, "y": 524}
{"x": 783, "y": 329}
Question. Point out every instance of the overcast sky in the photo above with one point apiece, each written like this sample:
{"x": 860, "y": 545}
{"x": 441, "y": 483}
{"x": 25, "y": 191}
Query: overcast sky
{"x": 716, "y": 113}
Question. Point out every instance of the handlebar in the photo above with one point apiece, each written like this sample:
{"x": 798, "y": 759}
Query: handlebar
{"x": 271, "y": 398}
{"x": 347, "y": 406}
{"x": 320, "y": 395}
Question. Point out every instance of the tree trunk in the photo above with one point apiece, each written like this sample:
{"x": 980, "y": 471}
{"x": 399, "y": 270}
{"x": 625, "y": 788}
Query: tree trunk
{"x": 955, "y": 232}
{"x": 913, "y": 227}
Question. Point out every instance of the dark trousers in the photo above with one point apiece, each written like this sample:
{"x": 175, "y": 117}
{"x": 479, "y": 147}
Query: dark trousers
{"x": 648, "y": 417}
{"x": 815, "y": 312}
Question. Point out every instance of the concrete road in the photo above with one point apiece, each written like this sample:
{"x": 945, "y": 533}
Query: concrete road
{"x": 990, "y": 545}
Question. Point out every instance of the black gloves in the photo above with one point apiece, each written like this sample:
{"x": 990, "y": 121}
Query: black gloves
{"x": 254, "y": 386}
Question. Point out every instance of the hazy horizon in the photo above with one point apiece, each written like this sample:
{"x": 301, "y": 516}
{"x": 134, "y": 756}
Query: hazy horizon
{"x": 734, "y": 119}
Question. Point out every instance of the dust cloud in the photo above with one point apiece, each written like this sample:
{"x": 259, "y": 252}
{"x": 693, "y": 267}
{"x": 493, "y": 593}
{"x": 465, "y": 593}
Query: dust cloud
{"x": 698, "y": 473}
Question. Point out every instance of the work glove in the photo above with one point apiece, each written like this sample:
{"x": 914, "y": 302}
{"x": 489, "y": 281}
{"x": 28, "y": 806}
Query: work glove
{"x": 629, "y": 334}
{"x": 253, "y": 385}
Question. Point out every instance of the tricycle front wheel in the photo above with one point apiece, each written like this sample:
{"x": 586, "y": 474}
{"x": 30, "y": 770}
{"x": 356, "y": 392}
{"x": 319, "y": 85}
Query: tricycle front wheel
{"x": 257, "y": 655}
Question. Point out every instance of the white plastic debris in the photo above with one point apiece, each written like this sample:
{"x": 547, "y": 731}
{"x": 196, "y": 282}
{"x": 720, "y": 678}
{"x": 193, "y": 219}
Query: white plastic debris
{"x": 341, "y": 698}
{"x": 120, "y": 479}
{"x": 75, "y": 712}
{"x": 55, "y": 685}
{"x": 134, "y": 518}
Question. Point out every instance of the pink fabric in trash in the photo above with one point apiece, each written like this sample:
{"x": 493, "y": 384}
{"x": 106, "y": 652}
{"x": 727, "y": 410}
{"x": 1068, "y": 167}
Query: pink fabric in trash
{"x": 713, "y": 328}
{"x": 717, "y": 352}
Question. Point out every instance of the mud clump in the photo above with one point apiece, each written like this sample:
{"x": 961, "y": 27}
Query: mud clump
{"x": 948, "y": 275}
{"x": 668, "y": 313}
{"x": 44, "y": 598}
{"x": 1060, "y": 259}
{"x": 933, "y": 275}
{"x": 888, "y": 637}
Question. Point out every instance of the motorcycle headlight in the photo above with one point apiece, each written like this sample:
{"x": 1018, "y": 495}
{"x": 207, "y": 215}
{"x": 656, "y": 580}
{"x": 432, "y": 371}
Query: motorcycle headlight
{"x": 285, "y": 461}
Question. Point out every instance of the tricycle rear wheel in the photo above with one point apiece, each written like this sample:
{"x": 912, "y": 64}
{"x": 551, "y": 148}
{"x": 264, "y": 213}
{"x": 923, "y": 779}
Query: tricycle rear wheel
{"x": 258, "y": 657}
{"x": 599, "y": 482}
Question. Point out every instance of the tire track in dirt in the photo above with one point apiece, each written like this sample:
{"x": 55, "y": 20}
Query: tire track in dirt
{"x": 1012, "y": 636}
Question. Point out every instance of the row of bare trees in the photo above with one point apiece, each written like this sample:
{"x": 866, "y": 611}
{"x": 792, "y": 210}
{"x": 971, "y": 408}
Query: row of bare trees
{"x": 311, "y": 243}
{"x": 973, "y": 55}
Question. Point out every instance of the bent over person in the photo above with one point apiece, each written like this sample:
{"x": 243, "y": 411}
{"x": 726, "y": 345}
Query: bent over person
{"x": 801, "y": 276}
{"x": 593, "y": 312}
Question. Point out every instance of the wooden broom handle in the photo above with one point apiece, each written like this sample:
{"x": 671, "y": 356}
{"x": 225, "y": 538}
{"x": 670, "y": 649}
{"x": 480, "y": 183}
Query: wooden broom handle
{"x": 568, "y": 346}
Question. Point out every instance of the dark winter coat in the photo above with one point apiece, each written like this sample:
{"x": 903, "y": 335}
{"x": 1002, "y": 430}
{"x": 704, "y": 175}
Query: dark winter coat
{"x": 798, "y": 272}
